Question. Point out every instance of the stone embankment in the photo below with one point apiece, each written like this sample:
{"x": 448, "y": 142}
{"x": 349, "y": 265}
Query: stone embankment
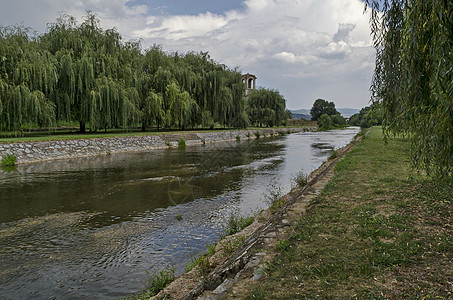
{"x": 29, "y": 152}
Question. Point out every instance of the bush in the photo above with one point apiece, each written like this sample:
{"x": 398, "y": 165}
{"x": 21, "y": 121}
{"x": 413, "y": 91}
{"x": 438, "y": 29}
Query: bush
{"x": 301, "y": 179}
{"x": 237, "y": 223}
{"x": 8, "y": 161}
{"x": 182, "y": 144}
{"x": 325, "y": 122}
{"x": 156, "y": 283}
{"x": 338, "y": 120}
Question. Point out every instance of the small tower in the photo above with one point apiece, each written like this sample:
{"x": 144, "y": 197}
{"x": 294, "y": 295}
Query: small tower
{"x": 249, "y": 81}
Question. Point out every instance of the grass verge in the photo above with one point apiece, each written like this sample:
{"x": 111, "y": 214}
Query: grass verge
{"x": 53, "y": 135}
{"x": 376, "y": 231}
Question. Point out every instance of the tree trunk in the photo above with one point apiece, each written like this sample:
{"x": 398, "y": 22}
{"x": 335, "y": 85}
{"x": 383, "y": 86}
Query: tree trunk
{"x": 82, "y": 127}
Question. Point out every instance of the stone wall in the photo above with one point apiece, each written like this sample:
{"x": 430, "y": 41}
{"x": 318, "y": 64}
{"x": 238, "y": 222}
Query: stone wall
{"x": 29, "y": 152}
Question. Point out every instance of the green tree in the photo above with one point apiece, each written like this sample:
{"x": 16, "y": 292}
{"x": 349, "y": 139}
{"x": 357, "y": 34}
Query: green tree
{"x": 28, "y": 77}
{"x": 325, "y": 122}
{"x": 320, "y": 107}
{"x": 266, "y": 107}
{"x": 338, "y": 120}
{"x": 413, "y": 77}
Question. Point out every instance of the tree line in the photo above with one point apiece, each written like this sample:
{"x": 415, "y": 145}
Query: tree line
{"x": 81, "y": 73}
{"x": 413, "y": 78}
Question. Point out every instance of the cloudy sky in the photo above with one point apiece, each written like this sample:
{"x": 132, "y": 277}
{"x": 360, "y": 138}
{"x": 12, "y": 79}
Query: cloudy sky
{"x": 306, "y": 49}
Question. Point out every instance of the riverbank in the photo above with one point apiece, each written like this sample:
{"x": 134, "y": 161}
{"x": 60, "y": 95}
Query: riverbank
{"x": 370, "y": 230}
{"x": 376, "y": 231}
{"x": 29, "y": 152}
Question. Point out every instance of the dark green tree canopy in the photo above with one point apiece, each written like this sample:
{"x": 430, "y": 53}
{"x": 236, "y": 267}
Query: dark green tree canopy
{"x": 82, "y": 73}
{"x": 266, "y": 107}
{"x": 320, "y": 107}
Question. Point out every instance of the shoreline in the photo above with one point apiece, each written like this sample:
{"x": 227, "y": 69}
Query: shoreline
{"x": 32, "y": 152}
{"x": 247, "y": 263}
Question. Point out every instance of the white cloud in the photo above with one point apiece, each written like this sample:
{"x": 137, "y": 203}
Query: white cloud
{"x": 295, "y": 46}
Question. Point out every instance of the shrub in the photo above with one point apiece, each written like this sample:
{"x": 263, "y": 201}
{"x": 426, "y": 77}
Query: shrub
{"x": 236, "y": 224}
{"x": 338, "y": 120}
{"x": 182, "y": 144}
{"x": 156, "y": 282}
{"x": 325, "y": 122}
{"x": 9, "y": 161}
{"x": 301, "y": 179}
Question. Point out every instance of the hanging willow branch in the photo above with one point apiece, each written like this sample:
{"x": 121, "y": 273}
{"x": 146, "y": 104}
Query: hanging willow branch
{"x": 413, "y": 77}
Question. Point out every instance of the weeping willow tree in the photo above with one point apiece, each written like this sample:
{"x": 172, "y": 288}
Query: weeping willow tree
{"x": 28, "y": 77}
{"x": 80, "y": 73}
{"x": 100, "y": 77}
{"x": 414, "y": 77}
{"x": 266, "y": 107}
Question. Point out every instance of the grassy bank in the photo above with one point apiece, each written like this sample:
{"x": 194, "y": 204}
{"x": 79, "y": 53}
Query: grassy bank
{"x": 8, "y": 137}
{"x": 377, "y": 231}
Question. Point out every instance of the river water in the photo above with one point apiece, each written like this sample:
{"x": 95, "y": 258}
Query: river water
{"x": 93, "y": 227}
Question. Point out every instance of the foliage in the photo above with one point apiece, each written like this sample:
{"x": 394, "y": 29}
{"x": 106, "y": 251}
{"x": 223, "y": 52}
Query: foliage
{"x": 182, "y": 144}
{"x": 283, "y": 245}
{"x": 232, "y": 244}
{"x": 338, "y": 120}
{"x": 237, "y": 223}
{"x": 8, "y": 161}
{"x": 82, "y": 73}
{"x": 156, "y": 283}
{"x": 325, "y": 122}
{"x": 368, "y": 116}
{"x": 300, "y": 179}
{"x": 413, "y": 77}
{"x": 266, "y": 108}
{"x": 320, "y": 107}
{"x": 203, "y": 263}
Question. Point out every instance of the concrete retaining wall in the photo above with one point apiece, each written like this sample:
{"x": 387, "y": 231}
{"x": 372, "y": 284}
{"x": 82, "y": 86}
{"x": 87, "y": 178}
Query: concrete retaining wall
{"x": 65, "y": 149}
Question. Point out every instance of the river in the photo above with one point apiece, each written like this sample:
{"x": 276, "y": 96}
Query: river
{"x": 94, "y": 227}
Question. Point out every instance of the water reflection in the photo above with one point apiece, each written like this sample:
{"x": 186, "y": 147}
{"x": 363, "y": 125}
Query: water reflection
{"x": 94, "y": 226}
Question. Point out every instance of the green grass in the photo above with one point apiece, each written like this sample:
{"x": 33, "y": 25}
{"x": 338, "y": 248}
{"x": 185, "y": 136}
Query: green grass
{"x": 376, "y": 231}
{"x": 53, "y": 135}
{"x": 300, "y": 179}
{"x": 181, "y": 144}
{"x": 8, "y": 161}
{"x": 156, "y": 282}
{"x": 236, "y": 223}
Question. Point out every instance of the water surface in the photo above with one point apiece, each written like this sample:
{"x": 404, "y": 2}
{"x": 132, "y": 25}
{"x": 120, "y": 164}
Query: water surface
{"x": 93, "y": 227}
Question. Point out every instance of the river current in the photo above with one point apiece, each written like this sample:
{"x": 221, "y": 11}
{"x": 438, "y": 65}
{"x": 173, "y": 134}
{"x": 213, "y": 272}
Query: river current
{"x": 94, "y": 227}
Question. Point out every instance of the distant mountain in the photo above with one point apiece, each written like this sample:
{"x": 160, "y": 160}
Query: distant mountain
{"x": 300, "y": 116}
{"x": 345, "y": 112}
{"x": 302, "y": 111}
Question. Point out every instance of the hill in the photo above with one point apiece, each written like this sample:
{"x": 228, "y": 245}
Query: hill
{"x": 304, "y": 113}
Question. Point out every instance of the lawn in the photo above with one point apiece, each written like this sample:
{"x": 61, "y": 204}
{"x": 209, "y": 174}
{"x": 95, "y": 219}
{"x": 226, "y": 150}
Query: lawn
{"x": 378, "y": 230}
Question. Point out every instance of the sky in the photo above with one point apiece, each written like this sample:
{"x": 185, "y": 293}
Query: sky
{"x": 305, "y": 49}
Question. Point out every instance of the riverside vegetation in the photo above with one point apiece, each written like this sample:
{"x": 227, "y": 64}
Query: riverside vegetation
{"x": 82, "y": 75}
{"x": 377, "y": 231}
